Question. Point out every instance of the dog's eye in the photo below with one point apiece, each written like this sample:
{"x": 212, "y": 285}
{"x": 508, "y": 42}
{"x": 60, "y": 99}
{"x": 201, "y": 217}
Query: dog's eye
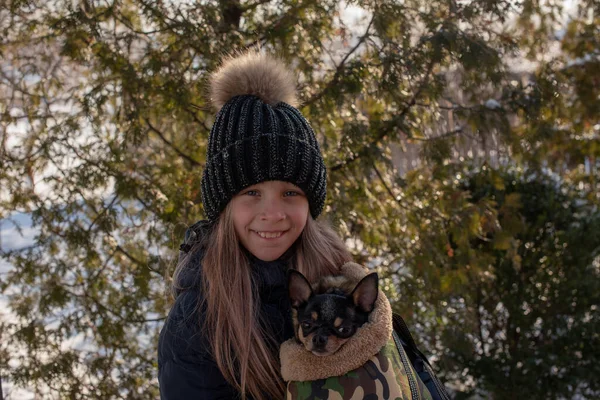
{"x": 344, "y": 330}
{"x": 306, "y": 325}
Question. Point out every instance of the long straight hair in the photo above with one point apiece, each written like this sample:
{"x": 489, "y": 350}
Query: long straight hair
{"x": 243, "y": 352}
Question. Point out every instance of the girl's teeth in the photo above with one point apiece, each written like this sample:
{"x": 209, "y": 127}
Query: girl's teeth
{"x": 269, "y": 235}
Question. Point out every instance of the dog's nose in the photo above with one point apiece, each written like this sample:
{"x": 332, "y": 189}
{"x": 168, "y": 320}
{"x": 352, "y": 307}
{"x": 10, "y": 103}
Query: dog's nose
{"x": 319, "y": 340}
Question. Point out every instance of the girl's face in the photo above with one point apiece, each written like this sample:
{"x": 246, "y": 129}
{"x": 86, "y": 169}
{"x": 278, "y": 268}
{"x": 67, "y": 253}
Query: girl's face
{"x": 269, "y": 217}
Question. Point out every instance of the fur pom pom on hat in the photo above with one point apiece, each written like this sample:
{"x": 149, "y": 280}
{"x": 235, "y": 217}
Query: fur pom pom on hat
{"x": 253, "y": 73}
{"x": 258, "y": 134}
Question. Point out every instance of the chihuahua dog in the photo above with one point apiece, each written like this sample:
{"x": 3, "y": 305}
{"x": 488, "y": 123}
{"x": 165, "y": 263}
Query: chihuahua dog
{"x": 328, "y": 313}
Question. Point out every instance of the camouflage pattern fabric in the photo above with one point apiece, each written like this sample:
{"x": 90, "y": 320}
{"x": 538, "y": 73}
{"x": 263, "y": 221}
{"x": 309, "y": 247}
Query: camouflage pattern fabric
{"x": 382, "y": 377}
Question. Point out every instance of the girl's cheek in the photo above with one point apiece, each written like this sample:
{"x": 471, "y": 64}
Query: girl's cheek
{"x": 248, "y": 203}
{"x": 243, "y": 211}
{"x": 299, "y": 204}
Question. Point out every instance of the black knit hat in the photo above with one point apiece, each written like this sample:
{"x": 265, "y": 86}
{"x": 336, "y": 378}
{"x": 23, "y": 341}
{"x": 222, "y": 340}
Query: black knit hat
{"x": 258, "y": 136}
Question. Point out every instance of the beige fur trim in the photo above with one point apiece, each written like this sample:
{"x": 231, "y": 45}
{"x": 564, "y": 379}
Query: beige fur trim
{"x": 298, "y": 364}
{"x": 254, "y": 73}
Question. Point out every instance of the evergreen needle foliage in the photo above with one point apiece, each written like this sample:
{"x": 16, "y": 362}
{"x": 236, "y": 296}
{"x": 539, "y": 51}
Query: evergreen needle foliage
{"x": 490, "y": 254}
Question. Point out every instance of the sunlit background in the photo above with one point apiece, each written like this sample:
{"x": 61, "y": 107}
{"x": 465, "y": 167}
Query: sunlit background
{"x": 462, "y": 140}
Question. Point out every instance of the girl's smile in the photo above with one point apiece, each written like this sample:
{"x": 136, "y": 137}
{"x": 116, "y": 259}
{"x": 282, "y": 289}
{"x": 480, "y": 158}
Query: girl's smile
{"x": 269, "y": 235}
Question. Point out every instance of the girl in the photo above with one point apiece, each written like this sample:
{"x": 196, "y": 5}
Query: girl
{"x": 263, "y": 187}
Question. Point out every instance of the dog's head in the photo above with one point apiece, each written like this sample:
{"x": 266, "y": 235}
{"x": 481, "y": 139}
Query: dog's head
{"x": 327, "y": 315}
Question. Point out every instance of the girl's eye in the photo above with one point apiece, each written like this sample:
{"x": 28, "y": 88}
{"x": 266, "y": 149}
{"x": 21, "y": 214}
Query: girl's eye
{"x": 292, "y": 193}
{"x": 252, "y": 193}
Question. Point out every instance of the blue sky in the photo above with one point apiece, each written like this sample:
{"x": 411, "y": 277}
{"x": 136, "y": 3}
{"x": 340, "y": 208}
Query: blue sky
{"x": 10, "y": 238}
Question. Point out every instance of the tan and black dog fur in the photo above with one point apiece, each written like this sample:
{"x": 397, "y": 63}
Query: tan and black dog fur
{"x": 328, "y": 313}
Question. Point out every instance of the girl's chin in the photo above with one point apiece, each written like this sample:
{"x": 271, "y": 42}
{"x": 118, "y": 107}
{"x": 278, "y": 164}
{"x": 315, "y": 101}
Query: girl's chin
{"x": 267, "y": 256}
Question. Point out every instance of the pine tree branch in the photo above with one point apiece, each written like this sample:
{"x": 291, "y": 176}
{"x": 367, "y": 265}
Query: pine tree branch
{"x": 101, "y": 213}
{"x": 252, "y": 6}
{"x": 110, "y": 311}
{"x": 339, "y": 69}
{"x": 442, "y": 136}
{"x": 170, "y": 144}
{"x": 136, "y": 261}
{"x": 288, "y": 18}
{"x": 388, "y": 189}
{"x": 392, "y": 123}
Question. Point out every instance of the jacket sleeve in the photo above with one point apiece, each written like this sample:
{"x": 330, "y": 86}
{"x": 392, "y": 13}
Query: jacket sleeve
{"x": 186, "y": 370}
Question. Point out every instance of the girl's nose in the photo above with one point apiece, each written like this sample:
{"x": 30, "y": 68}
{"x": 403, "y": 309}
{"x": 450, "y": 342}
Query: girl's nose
{"x": 273, "y": 215}
{"x": 272, "y": 210}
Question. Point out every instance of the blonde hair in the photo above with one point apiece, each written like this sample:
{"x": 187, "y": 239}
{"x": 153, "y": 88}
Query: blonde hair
{"x": 241, "y": 349}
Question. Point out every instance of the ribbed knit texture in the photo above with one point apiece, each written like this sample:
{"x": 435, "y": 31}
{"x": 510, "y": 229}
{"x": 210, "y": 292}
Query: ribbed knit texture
{"x": 252, "y": 142}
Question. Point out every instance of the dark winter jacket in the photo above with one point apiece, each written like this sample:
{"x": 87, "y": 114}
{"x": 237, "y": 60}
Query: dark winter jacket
{"x": 186, "y": 369}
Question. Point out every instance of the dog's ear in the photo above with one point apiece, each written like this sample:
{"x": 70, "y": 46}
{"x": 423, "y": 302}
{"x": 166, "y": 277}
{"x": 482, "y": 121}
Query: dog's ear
{"x": 299, "y": 288}
{"x": 365, "y": 293}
